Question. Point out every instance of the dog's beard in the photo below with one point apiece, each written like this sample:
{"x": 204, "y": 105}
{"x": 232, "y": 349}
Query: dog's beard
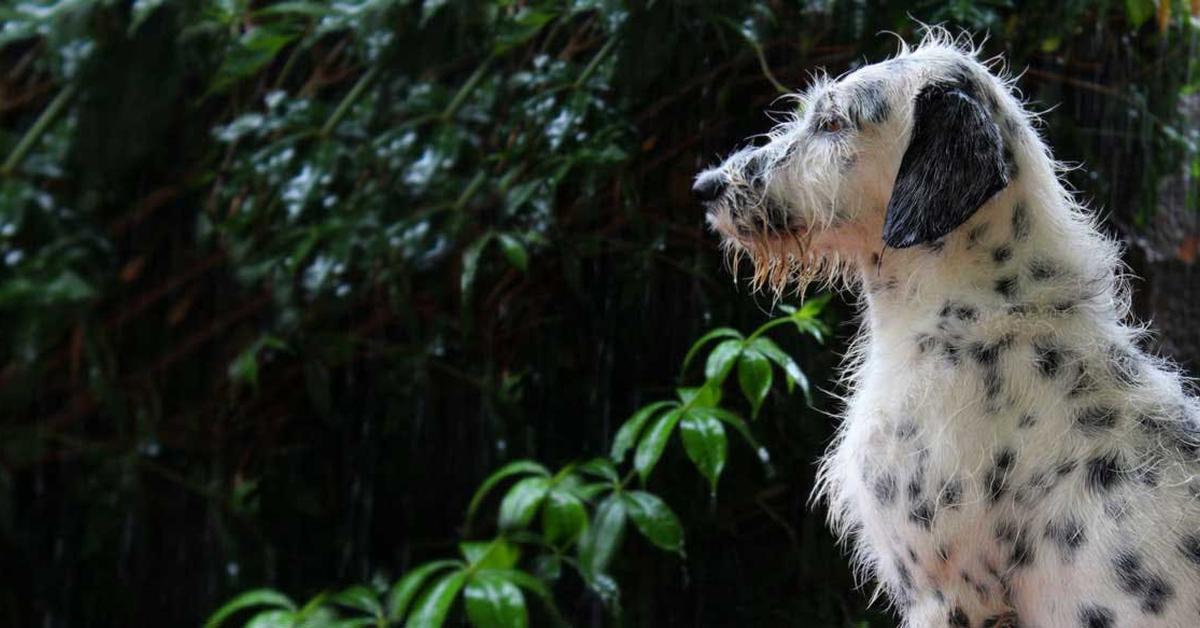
{"x": 782, "y": 261}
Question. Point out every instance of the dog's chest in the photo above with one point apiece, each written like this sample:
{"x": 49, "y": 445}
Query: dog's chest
{"x": 951, "y": 449}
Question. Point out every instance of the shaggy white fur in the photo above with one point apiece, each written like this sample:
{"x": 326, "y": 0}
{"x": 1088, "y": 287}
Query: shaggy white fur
{"x": 1008, "y": 454}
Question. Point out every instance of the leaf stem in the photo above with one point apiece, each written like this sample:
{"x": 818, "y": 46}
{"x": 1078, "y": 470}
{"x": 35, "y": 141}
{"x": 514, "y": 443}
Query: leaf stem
{"x": 460, "y": 98}
{"x": 595, "y": 62}
{"x": 39, "y": 128}
{"x": 344, "y": 107}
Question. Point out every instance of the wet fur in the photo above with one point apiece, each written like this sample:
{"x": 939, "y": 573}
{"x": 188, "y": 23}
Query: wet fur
{"x": 1008, "y": 454}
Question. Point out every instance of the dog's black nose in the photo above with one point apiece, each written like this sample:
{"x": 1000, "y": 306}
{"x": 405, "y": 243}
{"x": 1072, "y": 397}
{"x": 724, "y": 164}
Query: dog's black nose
{"x": 709, "y": 187}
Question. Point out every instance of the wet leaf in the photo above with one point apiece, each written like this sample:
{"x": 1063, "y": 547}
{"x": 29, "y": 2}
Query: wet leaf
{"x": 720, "y": 332}
{"x": 705, "y": 444}
{"x": 564, "y": 517}
{"x": 514, "y": 251}
{"x": 651, "y": 447}
{"x": 249, "y": 599}
{"x": 754, "y": 378}
{"x": 361, "y": 598}
{"x": 791, "y": 370}
{"x": 632, "y": 428}
{"x": 405, "y": 589}
{"x": 721, "y": 360}
{"x": 603, "y": 537}
{"x": 518, "y": 467}
{"x": 655, "y": 520}
{"x": 494, "y": 602}
{"x": 522, "y": 501}
{"x": 431, "y": 610}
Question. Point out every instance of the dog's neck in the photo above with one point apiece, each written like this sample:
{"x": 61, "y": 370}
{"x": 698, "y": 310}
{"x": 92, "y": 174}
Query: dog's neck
{"x": 1020, "y": 259}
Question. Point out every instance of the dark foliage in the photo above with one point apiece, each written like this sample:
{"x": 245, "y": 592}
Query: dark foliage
{"x": 282, "y": 283}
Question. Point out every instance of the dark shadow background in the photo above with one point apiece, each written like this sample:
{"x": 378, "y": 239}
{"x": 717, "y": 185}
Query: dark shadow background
{"x": 237, "y": 346}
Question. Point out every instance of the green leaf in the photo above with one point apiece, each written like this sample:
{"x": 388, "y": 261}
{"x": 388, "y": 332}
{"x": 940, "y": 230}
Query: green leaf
{"x": 494, "y": 602}
{"x": 432, "y": 608}
{"x": 494, "y": 554}
{"x": 601, "y": 468}
{"x": 254, "y": 50}
{"x": 704, "y": 441}
{"x": 517, "y": 467}
{"x": 309, "y": 9}
{"x": 256, "y": 597}
{"x": 628, "y": 434}
{"x": 603, "y": 536}
{"x": 470, "y": 264}
{"x": 535, "y": 586}
{"x": 754, "y": 378}
{"x": 406, "y": 588}
{"x": 244, "y": 368}
{"x": 721, "y": 360}
{"x": 588, "y": 492}
{"x": 720, "y": 332}
{"x": 706, "y": 396}
{"x": 522, "y": 501}
{"x": 738, "y": 424}
{"x": 654, "y": 520}
{"x": 274, "y": 618}
{"x": 1138, "y": 11}
{"x": 791, "y": 370}
{"x": 514, "y": 251}
{"x": 361, "y": 598}
{"x": 654, "y": 441}
{"x": 563, "y": 517}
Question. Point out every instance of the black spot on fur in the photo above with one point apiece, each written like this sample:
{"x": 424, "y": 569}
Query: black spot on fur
{"x": 975, "y": 234}
{"x": 1173, "y": 428}
{"x": 906, "y": 429}
{"x": 988, "y": 354}
{"x": 1096, "y": 617}
{"x": 1027, "y": 421}
{"x": 1067, "y": 534}
{"x": 922, "y": 514}
{"x": 1006, "y": 286}
{"x": 926, "y": 343}
{"x": 997, "y": 477}
{"x": 1047, "y": 357}
{"x": 1133, "y": 578}
{"x": 951, "y": 494}
{"x": 1023, "y": 552}
{"x": 869, "y": 103}
{"x": 1103, "y": 473}
{"x": 884, "y": 489}
{"x": 1096, "y": 419}
{"x": 958, "y": 618}
{"x": 1020, "y": 222}
{"x": 934, "y": 246}
{"x": 1189, "y": 546}
{"x": 1084, "y": 384}
{"x": 1123, "y": 366}
{"x": 1002, "y": 254}
{"x": 1043, "y": 270}
{"x": 1006, "y": 620}
{"x": 906, "y": 581}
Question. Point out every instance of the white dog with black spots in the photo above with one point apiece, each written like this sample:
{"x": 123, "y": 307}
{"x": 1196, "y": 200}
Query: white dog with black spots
{"x": 1007, "y": 455}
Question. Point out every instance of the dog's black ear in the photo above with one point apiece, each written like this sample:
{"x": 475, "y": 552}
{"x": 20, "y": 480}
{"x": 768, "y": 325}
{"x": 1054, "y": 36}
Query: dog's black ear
{"x": 954, "y": 163}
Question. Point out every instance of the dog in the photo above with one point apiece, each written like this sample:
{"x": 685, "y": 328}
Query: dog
{"x": 1007, "y": 454}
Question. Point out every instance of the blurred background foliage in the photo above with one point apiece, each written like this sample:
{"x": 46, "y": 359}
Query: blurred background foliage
{"x": 281, "y": 283}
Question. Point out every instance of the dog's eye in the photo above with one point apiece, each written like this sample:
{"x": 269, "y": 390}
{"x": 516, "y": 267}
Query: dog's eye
{"x": 831, "y": 124}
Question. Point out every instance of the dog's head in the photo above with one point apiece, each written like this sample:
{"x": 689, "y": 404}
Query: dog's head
{"x": 897, "y": 153}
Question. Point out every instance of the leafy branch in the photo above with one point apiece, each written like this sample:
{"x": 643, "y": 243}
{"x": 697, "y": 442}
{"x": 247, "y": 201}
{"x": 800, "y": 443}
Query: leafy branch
{"x": 576, "y": 517}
